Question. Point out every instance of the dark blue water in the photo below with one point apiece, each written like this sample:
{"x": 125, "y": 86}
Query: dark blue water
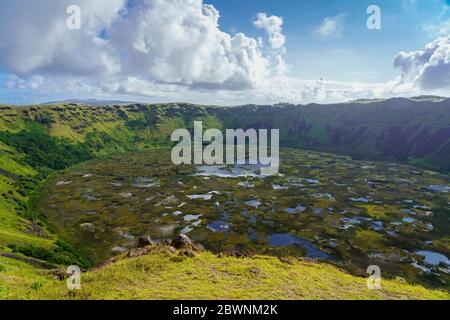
{"x": 219, "y": 226}
{"x": 250, "y": 218}
{"x": 284, "y": 239}
{"x": 434, "y": 258}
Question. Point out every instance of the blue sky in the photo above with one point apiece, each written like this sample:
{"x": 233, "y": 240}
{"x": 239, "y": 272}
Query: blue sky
{"x": 352, "y": 54}
{"x": 359, "y": 54}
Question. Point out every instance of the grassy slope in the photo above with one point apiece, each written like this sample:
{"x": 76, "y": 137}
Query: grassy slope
{"x": 165, "y": 275}
{"x": 13, "y": 228}
{"x": 107, "y": 131}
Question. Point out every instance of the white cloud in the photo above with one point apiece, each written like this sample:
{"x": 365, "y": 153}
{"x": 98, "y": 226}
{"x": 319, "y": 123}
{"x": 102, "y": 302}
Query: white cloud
{"x": 273, "y": 26}
{"x": 166, "y": 50}
{"x": 34, "y": 37}
{"x": 279, "y": 88}
{"x": 427, "y": 69}
{"x": 179, "y": 42}
{"x": 439, "y": 29}
{"x": 33, "y": 83}
{"x": 176, "y": 42}
{"x": 331, "y": 26}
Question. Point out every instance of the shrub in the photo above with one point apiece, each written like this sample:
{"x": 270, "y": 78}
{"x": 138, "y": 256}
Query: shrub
{"x": 36, "y": 286}
{"x": 43, "y": 150}
{"x": 62, "y": 254}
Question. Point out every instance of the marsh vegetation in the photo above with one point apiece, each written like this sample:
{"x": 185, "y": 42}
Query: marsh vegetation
{"x": 322, "y": 206}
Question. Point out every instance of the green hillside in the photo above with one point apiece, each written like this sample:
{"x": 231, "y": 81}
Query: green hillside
{"x": 36, "y": 141}
{"x": 165, "y": 274}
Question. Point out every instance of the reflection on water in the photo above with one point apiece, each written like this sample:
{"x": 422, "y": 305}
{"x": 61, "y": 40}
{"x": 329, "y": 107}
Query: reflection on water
{"x": 253, "y": 203}
{"x": 237, "y": 171}
{"x": 433, "y": 258}
{"x": 200, "y": 197}
{"x": 438, "y": 188}
{"x": 283, "y": 239}
{"x": 219, "y": 226}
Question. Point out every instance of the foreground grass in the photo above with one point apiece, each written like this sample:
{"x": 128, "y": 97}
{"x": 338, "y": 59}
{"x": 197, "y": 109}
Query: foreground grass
{"x": 165, "y": 275}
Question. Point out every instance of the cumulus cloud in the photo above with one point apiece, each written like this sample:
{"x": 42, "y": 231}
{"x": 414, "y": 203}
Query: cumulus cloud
{"x": 170, "y": 42}
{"x": 331, "y": 26}
{"x": 33, "y": 83}
{"x": 273, "y": 26}
{"x": 170, "y": 50}
{"x": 180, "y": 42}
{"x": 427, "y": 69}
{"x": 34, "y": 37}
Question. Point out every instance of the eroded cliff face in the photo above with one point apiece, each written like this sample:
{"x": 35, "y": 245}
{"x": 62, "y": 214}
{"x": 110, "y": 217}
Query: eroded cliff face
{"x": 395, "y": 130}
